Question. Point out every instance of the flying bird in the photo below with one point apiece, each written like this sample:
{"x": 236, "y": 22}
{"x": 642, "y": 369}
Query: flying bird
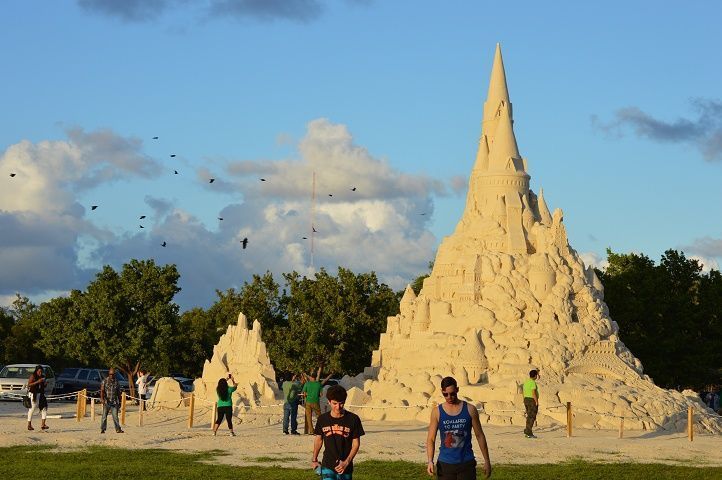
{"x": 172, "y": 155}
{"x": 141, "y": 226}
{"x": 211, "y": 180}
{"x": 93, "y": 207}
{"x": 13, "y": 174}
{"x": 163, "y": 244}
{"x": 422, "y": 213}
{"x": 314, "y": 229}
{"x": 220, "y": 218}
{"x": 263, "y": 179}
{"x": 142, "y": 217}
{"x": 330, "y": 194}
{"x": 305, "y": 238}
{"x": 155, "y": 138}
{"x": 353, "y": 189}
{"x": 175, "y": 172}
{"x": 245, "y": 243}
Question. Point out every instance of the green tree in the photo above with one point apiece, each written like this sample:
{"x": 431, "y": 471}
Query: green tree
{"x": 333, "y": 321}
{"x": 668, "y": 315}
{"x": 126, "y": 320}
{"x": 193, "y": 344}
{"x": 21, "y": 345}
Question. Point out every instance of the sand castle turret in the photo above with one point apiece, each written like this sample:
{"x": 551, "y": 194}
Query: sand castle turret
{"x": 241, "y": 352}
{"x": 506, "y": 294}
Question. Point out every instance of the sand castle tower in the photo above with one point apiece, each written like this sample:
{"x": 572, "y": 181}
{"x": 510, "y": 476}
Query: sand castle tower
{"x": 241, "y": 352}
{"x": 507, "y": 293}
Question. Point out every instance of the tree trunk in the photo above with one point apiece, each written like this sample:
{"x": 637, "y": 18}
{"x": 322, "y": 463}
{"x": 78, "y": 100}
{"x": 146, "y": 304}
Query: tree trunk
{"x": 130, "y": 374}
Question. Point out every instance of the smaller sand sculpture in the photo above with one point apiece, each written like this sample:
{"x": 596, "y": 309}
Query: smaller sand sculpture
{"x": 167, "y": 393}
{"x": 241, "y": 352}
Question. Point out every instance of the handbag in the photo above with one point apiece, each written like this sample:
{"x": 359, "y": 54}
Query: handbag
{"x": 26, "y": 402}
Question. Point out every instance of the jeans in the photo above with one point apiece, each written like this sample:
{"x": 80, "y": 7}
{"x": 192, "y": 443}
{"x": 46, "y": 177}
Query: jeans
{"x": 290, "y": 411}
{"x": 531, "y": 410}
{"x": 114, "y": 412}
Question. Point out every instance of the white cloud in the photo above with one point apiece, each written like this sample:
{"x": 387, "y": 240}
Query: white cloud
{"x": 592, "y": 259}
{"x": 41, "y": 219}
{"x": 377, "y": 227}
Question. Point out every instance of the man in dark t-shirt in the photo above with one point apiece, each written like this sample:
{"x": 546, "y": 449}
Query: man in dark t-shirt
{"x": 339, "y": 431}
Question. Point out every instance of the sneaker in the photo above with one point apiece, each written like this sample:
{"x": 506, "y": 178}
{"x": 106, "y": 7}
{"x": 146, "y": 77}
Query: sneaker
{"x": 295, "y": 433}
{"x": 102, "y": 431}
{"x": 44, "y": 427}
{"x": 119, "y": 431}
{"x": 214, "y": 433}
{"x": 30, "y": 427}
{"x": 285, "y": 433}
{"x": 530, "y": 436}
{"x": 232, "y": 434}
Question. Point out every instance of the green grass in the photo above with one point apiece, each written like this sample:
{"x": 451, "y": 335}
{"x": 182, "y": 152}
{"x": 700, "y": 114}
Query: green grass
{"x": 266, "y": 459}
{"x": 40, "y": 462}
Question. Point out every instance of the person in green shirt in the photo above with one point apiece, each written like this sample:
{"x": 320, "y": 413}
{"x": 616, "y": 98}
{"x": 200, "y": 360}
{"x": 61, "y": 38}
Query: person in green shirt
{"x": 291, "y": 389}
{"x": 531, "y": 402}
{"x": 225, "y": 403}
{"x": 312, "y": 392}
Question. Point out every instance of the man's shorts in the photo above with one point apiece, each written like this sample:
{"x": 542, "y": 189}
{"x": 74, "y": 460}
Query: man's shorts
{"x": 328, "y": 474}
{"x": 456, "y": 471}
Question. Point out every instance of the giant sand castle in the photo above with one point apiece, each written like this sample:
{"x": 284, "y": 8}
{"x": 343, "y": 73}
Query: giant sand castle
{"x": 506, "y": 294}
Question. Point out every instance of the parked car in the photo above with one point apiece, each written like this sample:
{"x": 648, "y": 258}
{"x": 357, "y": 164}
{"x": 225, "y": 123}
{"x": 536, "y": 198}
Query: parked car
{"x": 73, "y": 379}
{"x": 14, "y": 379}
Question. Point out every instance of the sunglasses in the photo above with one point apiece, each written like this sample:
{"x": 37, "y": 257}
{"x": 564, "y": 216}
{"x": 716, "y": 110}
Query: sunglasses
{"x": 449, "y": 394}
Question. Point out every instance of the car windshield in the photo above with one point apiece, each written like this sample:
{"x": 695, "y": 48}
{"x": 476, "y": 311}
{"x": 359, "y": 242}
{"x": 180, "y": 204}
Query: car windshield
{"x": 16, "y": 372}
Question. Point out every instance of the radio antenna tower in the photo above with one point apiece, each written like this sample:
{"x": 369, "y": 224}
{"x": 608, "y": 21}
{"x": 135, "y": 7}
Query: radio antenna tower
{"x": 313, "y": 217}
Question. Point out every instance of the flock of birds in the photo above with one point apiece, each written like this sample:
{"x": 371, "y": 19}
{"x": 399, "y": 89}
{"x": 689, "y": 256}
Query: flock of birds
{"x": 244, "y": 242}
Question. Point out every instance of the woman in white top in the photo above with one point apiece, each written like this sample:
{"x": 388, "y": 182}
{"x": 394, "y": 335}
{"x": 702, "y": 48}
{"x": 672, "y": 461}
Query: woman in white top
{"x": 142, "y": 383}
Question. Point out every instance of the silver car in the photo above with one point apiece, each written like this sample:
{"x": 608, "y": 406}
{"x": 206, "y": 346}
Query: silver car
{"x": 14, "y": 379}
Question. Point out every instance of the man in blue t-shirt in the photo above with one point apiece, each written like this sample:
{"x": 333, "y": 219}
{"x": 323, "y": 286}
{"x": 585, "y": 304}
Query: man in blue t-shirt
{"x": 454, "y": 420}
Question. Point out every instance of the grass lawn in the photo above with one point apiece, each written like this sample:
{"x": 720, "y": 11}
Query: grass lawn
{"x": 40, "y": 462}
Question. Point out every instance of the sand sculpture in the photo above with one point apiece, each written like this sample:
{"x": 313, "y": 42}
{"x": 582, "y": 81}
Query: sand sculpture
{"x": 243, "y": 353}
{"x": 167, "y": 393}
{"x": 507, "y": 293}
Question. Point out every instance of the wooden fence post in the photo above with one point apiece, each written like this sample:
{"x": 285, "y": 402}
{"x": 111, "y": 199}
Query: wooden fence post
{"x": 690, "y": 423}
{"x": 122, "y": 409}
{"x": 92, "y": 409}
{"x": 141, "y": 406}
{"x": 77, "y": 407}
{"x": 84, "y": 403}
{"x": 191, "y": 406}
{"x": 214, "y": 414}
{"x": 621, "y": 427}
{"x": 569, "y": 419}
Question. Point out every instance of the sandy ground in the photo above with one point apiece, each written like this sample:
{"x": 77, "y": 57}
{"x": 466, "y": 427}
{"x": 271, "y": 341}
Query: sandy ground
{"x": 383, "y": 440}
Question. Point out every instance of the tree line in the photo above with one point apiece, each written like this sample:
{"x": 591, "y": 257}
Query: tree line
{"x": 668, "y": 315}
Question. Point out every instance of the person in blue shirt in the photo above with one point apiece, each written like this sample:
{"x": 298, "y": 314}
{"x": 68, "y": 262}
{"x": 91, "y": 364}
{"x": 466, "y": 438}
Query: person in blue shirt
{"x": 454, "y": 421}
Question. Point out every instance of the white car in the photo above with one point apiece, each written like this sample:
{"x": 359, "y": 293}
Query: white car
{"x": 14, "y": 379}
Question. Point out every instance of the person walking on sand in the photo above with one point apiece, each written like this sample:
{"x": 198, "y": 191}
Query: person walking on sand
{"x": 36, "y": 392}
{"x": 531, "y": 402}
{"x": 225, "y": 403}
{"x": 454, "y": 420}
{"x": 110, "y": 398}
{"x": 339, "y": 431}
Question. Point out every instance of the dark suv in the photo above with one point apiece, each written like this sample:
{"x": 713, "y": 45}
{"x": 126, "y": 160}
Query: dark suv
{"x": 73, "y": 379}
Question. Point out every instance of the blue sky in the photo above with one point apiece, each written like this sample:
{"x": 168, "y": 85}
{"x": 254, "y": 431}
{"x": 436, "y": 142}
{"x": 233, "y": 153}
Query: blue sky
{"x": 616, "y": 107}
